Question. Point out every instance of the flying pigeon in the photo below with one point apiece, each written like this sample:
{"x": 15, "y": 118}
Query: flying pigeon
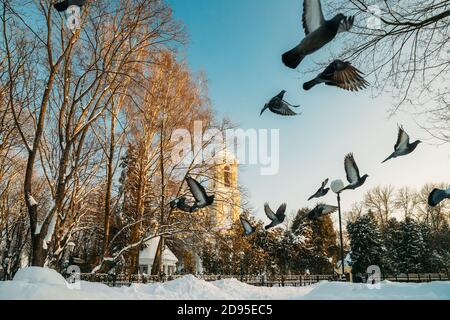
{"x": 202, "y": 200}
{"x": 64, "y": 5}
{"x": 321, "y": 210}
{"x": 340, "y": 74}
{"x": 437, "y": 196}
{"x": 318, "y": 32}
{"x": 403, "y": 147}
{"x": 353, "y": 176}
{"x": 277, "y": 218}
{"x": 248, "y": 228}
{"x": 180, "y": 203}
{"x": 278, "y": 106}
{"x": 321, "y": 192}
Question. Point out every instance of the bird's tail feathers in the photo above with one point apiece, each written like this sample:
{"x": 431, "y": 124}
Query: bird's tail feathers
{"x": 310, "y": 84}
{"x": 389, "y": 158}
{"x": 292, "y": 58}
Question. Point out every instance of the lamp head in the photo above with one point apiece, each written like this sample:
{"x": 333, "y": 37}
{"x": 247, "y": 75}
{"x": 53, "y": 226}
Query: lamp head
{"x": 337, "y": 186}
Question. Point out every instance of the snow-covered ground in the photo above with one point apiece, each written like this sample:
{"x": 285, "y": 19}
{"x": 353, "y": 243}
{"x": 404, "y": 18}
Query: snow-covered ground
{"x": 39, "y": 283}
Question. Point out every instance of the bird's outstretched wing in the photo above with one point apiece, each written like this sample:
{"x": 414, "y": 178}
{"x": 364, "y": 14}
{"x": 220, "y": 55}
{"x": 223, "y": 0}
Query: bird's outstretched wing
{"x": 284, "y": 110}
{"x": 402, "y": 140}
{"x": 346, "y": 24}
{"x": 348, "y": 78}
{"x": 437, "y": 196}
{"x": 327, "y": 209}
{"x": 61, "y": 6}
{"x": 248, "y": 229}
{"x": 269, "y": 212}
{"x": 180, "y": 203}
{"x": 197, "y": 189}
{"x": 312, "y": 17}
{"x": 324, "y": 184}
{"x": 351, "y": 169}
{"x": 281, "y": 211}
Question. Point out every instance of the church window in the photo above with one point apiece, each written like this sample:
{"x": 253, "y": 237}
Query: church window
{"x": 227, "y": 176}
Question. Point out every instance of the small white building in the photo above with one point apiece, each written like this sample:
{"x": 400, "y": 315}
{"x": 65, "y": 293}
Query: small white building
{"x": 147, "y": 256}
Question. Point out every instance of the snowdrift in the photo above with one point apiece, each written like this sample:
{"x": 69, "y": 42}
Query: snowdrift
{"x": 40, "y": 283}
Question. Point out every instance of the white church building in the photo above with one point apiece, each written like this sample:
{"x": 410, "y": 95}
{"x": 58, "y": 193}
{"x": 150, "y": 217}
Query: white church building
{"x": 147, "y": 256}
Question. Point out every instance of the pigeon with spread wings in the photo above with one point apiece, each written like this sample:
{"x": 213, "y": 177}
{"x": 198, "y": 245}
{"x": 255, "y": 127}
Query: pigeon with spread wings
{"x": 353, "y": 176}
{"x": 321, "y": 192}
{"x": 202, "y": 199}
{"x": 321, "y": 210}
{"x": 248, "y": 228}
{"x": 437, "y": 196}
{"x": 278, "y": 106}
{"x": 318, "y": 32}
{"x": 64, "y": 5}
{"x": 339, "y": 74}
{"x": 276, "y": 218}
{"x": 403, "y": 147}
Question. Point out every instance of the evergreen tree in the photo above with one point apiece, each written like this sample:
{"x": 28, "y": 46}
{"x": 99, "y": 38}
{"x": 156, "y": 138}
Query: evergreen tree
{"x": 411, "y": 247}
{"x": 317, "y": 239}
{"x": 391, "y": 237}
{"x": 431, "y": 258}
{"x": 366, "y": 243}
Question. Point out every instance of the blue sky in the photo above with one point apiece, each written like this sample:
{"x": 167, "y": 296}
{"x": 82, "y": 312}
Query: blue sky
{"x": 238, "y": 44}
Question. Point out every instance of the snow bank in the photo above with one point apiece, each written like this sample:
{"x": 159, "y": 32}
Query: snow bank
{"x": 387, "y": 291}
{"x": 40, "y": 283}
{"x": 38, "y": 275}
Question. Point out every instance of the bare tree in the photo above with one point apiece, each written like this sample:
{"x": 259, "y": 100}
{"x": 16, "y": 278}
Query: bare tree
{"x": 381, "y": 202}
{"x": 404, "y": 47}
{"x": 77, "y": 74}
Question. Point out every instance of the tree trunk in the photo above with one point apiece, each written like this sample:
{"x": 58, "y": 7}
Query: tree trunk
{"x": 109, "y": 180}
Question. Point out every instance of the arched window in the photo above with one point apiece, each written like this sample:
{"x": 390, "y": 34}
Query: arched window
{"x": 227, "y": 176}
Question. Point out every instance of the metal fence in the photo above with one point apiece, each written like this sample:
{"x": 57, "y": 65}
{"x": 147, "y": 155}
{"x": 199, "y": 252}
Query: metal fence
{"x": 255, "y": 280}
{"x": 258, "y": 280}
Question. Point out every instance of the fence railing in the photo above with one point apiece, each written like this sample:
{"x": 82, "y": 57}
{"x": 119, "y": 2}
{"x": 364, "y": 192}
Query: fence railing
{"x": 269, "y": 281}
{"x": 255, "y": 280}
{"x": 418, "y": 277}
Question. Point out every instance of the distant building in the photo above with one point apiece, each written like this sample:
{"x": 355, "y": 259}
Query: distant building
{"x": 147, "y": 256}
{"x": 227, "y": 203}
{"x": 226, "y": 208}
{"x": 347, "y": 266}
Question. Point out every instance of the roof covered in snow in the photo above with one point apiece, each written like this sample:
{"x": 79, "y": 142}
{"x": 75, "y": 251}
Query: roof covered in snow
{"x": 148, "y": 254}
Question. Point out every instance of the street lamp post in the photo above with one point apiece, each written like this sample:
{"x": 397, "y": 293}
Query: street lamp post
{"x": 241, "y": 256}
{"x": 71, "y": 247}
{"x": 337, "y": 187}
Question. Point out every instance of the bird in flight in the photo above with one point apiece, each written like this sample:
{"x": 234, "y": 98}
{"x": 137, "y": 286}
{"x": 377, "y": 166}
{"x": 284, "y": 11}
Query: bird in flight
{"x": 321, "y": 210}
{"x": 180, "y": 203}
{"x": 278, "y": 106}
{"x": 248, "y": 228}
{"x": 437, "y": 196}
{"x": 276, "y": 218}
{"x": 202, "y": 199}
{"x": 318, "y": 32}
{"x": 321, "y": 192}
{"x": 353, "y": 176}
{"x": 64, "y": 5}
{"x": 339, "y": 74}
{"x": 403, "y": 147}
